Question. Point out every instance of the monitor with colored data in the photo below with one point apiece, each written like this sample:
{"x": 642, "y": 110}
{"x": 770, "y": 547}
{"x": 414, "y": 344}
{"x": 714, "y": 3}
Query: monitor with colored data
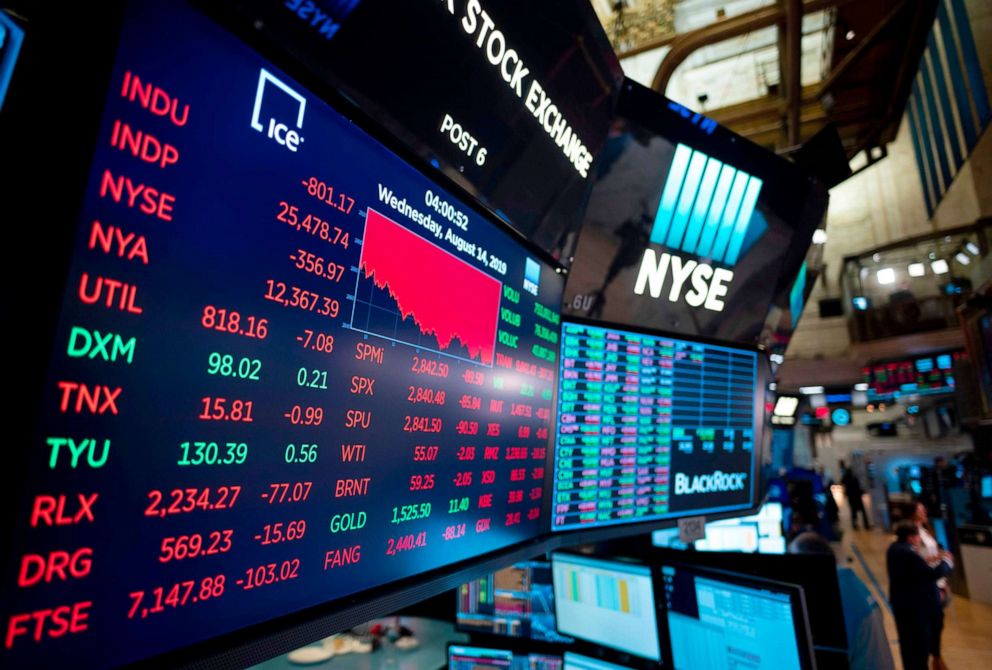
{"x": 517, "y": 601}
{"x": 461, "y": 657}
{"x": 652, "y": 427}
{"x": 287, "y": 365}
{"x": 607, "y": 602}
{"x": 725, "y": 621}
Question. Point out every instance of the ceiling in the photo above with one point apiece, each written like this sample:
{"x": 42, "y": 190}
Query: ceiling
{"x": 849, "y": 63}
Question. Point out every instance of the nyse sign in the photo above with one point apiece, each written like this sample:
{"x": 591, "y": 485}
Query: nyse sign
{"x": 705, "y": 210}
{"x": 708, "y": 284}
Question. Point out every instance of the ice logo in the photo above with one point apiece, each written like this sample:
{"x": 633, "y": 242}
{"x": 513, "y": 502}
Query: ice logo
{"x": 280, "y": 132}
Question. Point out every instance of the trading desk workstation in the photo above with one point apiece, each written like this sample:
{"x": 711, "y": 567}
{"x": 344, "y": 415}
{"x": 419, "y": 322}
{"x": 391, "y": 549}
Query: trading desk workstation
{"x": 344, "y": 306}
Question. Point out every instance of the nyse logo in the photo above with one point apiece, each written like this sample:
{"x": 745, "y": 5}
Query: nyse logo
{"x": 280, "y": 132}
{"x": 532, "y": 276}
{"x": 705, "y": 210}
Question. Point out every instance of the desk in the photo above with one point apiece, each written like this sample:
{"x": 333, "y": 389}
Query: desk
{"x": 431, "y": 654}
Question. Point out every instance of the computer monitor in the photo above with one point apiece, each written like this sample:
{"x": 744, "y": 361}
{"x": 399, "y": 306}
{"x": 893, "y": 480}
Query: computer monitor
{"x": 517, "y": 601}
{"x": 462, "y": 657}
{"x": 717, "y": 620}
{"x": 575, "y": 661}
{"x": 652, "y": 427}
{"x": 815, "y": 573}
{"x": 761, "y": 533}
{"x": 607, "y": 602}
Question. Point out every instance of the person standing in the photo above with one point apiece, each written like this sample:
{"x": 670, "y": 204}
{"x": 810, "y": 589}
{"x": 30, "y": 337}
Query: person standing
{"x": 930, "y": 551}
{"x": 867, "y": 644}
{"x": 914, "y": 596}
{"x": 853, "y": 492}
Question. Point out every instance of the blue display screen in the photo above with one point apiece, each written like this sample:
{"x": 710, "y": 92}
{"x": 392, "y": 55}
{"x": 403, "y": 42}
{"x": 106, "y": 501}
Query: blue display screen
{"x": 715, "y": 623}
{"x": 288, "y": 367}
{"x": 651, "y": 427}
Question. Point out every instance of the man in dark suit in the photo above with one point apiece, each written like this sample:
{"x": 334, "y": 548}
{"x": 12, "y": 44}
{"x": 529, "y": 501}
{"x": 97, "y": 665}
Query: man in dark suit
{"x": 853, "y": 492}
{"x": 914, "y": 596}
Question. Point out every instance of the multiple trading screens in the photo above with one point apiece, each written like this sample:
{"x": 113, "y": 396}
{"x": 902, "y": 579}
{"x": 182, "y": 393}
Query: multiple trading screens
{"x": 289, "y": 367}
{"x": 517, "y": 601}
{"x": 685, "y": 616}
{"x": 922, "y": 375}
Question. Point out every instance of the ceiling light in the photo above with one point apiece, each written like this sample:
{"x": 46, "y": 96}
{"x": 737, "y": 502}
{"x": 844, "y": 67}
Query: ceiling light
{"x": 777, "y": 359}
{"x": 819, "y": 236}
{"x": 811, "y": 390}
{"x": 962, "y": 258}
{"x": 772, "y": 386}
{"x": 876, "y": 257}
{"x": 917, "y": 269}
{"x": 970, "y": 246}
{"x": 850, "y": 35}
{"x": 886, "y": 276}
{"x": 939, "y": 266}
{"x": 861, "y": 386}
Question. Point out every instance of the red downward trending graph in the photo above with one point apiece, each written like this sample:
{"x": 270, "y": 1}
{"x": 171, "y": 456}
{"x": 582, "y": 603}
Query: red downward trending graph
{"x": 447, "y": 298}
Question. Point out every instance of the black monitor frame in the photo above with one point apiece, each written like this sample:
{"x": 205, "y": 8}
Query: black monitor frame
{"x": 797, "y": 599}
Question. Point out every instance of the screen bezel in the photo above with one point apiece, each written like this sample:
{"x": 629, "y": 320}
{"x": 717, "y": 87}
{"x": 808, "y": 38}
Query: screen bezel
{"x": 607, "y": 565}
{"x": 572, "y": 536}
{"x": 797, "y": 600}
{"x": 50, "y": 37}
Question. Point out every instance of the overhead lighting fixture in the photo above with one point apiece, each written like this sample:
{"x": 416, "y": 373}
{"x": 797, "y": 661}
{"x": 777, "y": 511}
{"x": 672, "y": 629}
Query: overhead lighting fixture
{"x": 939, "y": 266}
{"x": 819, "y": 236}
{"x": 863, "y": 272}
{"x": 970, "y": 246}
{"x": 772, "y": 386}
{"x": 811, "y": 390}
{"x": 777, "y": 359}
{"x": 886, "y": 276}
{"x": 849, "y": 36}
{"x": 962, "y": 258}
{"x": 861, "y": 386}
{"x": 876, "y": 257}
{"x": 917, "y": 269}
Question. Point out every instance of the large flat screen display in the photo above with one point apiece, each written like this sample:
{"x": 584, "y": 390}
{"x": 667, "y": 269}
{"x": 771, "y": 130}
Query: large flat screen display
{"x": 651, "y": 427}
{"x": 288, "y": 367}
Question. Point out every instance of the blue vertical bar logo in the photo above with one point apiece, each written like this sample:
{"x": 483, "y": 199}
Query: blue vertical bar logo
{"x": 706, "y": 207}
{"x": 532, "y": 276}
